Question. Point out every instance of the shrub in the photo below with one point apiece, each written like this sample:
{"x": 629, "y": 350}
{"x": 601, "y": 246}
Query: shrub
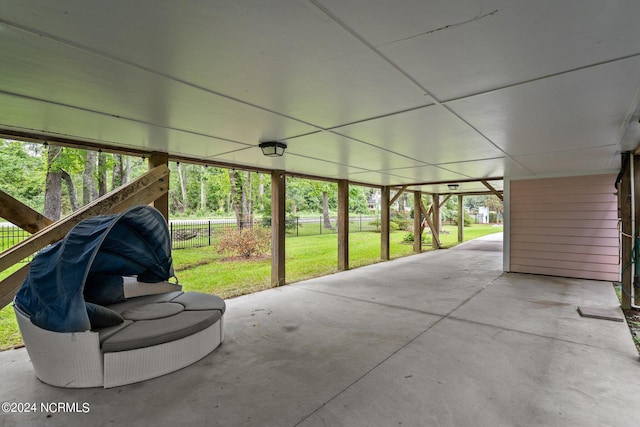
{"x": 245, "y": 243}
{"x": 404, "y": 224}
{"x": 408, "y": 238}
{"x": 468, "y": 219}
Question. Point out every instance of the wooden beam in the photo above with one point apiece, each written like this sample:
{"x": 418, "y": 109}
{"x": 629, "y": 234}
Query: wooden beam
{"x": 343, "y": 225}
{"x": 162, "y": 202}
{"x": 441, "y": 204}
{"x": 10, "y": 285}
{"x": 636, "y": 227}
{"x": 384, "y": 223}
{"x": 493, "y": 190}
{"x": 278, "y": 227}
{"x": 460, "y": 219}
{"x": 435, "y": 227}
{"x": 132, "y": 194}
{"x": 458, "y": 181}
{"x": 397, "y": 195}
{"x": 36, "y": 222}
{"x": 434, "y": 235}
{"x": 624, "y": 212}
{"x": 22, "y": 215}
{"x": 417, "y": 222}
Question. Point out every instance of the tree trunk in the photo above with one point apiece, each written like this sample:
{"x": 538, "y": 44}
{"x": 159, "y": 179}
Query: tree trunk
{"x": 325, "y": 209}
{"x": 102, "y": 174}
{"x": 71, "y": 189}
{"x": 248, "y": 200}
{"x": 116, "y": 176}
{"x": 121, "y": 170}
{"x": 89, "y": 192}
{"x": 126, "y": 170}
{"x": 203, "y": 195}
{"x": 53, "y": 185}
{"x": 235, "y": 196}
{"x": 183, "y": 189}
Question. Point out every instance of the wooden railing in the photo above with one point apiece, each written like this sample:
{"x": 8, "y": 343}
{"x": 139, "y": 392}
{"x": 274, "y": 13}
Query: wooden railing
{"x": 143, "y": 190}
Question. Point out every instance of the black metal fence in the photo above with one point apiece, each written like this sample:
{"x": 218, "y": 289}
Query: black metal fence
{"x": 11, "y": 235}
{"x": 312, "y": 226}
{"x": 198, "y": 233}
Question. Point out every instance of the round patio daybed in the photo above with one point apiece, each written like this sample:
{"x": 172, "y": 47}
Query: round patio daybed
{"x": 96, "y": 308}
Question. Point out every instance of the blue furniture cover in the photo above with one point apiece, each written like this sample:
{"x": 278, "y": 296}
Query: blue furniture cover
{"x": 134, "y": 242}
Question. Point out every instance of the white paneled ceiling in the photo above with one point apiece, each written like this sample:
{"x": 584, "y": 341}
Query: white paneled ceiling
{"x": 381, "y": 92}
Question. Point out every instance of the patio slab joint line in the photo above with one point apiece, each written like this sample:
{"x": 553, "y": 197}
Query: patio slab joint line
{"x": 398, "y": 349}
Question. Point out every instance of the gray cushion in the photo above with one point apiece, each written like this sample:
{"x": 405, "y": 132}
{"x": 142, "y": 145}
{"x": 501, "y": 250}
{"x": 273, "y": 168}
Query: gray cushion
{"x": 146, "y": 333}
{"x": 146, "y": 299}
{"x": 200, "y": 301}
{"x": 105, "y": 333}
{"x": 156, "y": 310}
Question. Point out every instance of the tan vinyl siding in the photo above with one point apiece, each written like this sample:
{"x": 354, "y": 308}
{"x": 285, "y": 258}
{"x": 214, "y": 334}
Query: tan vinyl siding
{"x": 565, "y": 227}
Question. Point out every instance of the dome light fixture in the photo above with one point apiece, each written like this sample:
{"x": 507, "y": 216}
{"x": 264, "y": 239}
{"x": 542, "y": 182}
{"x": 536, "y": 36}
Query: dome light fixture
{"x": 453, "y": 186}
{"x": 272, "y": 148}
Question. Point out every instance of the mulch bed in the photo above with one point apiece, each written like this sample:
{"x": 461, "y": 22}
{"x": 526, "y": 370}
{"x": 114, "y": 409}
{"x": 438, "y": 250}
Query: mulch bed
{"x": 633, "y": 320}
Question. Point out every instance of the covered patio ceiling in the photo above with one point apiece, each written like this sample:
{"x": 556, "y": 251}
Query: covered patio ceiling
{"x": 379, "y": 92}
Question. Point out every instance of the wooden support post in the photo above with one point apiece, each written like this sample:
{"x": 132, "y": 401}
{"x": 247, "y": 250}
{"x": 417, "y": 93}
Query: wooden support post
{"x": 417, "y": 221}
{"x": 460, "y": 219}
{"x": 384, "y": 224}
{"x": 343, "y": 225}
{"x": 624, "y": 212}
{"x": 636, "y": 226}
{"x": 278, "y": 223}
{"x": 162, "y": 202}
{"x": 435, "y": 241}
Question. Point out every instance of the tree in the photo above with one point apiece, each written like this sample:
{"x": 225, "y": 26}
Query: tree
{"x": 240, "y": 186}
{"x": 102, "y": 173}
{"x": 121, "y": 170}
{"x": 62, "y": 166}
{"x": 325, "y": 209}
{"x": 71, "y": 189}
{"x": 183, "y": 189}
{"x": 53, "y": 184}
{"x": 89, "y": 190}
{"x": 495, "y": 204}
{"x": 325, "y": 188}
{"x": 22, "y": 172}
{"x": 358, "y": 199}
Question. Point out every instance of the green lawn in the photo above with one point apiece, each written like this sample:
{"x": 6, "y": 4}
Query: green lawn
{"x": 202, "y": 269}
{"x": 306, "y": 257}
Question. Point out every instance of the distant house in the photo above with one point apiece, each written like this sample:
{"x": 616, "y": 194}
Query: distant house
{"x": 483, "y": 215}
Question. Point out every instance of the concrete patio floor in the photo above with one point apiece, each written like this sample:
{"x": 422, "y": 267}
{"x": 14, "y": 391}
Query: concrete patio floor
{"x": 441, "y": 338}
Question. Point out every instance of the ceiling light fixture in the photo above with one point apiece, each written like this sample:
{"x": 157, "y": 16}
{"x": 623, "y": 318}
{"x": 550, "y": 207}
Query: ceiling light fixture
{"x": 272, "y": 148}
{"x": 453, "y": 186}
